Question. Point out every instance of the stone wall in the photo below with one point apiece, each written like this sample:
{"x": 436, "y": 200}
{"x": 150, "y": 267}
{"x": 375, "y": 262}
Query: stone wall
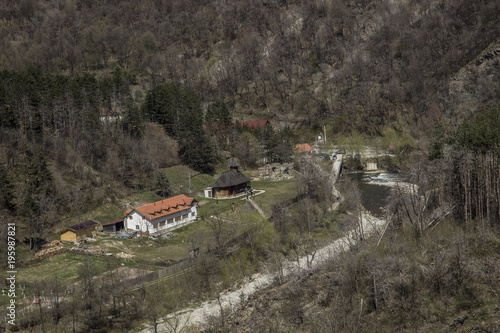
{"x": 276, "y": 171}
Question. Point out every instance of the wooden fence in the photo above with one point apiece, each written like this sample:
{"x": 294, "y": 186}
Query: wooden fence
{"x": 152, "y": 276}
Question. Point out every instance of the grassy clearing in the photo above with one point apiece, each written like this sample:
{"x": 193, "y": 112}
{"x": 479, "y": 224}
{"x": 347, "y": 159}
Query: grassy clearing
{"x": 148, "y": 196}
{"x": 223, "y": 207}
{"x": 276, "y": 192}
{"x": 168, "y": 250}
{"x": 104, "y": 213}
{"x": 114, "y": 210}
{"x": 146, "y": 253}
{"x": 65, "y": 266}
{"x": 179, "y": 184}
{"x": 178, "y": 176}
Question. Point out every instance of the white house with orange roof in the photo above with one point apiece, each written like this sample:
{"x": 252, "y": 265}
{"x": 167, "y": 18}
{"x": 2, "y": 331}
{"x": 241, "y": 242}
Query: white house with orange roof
{"x": 163, "y": 215}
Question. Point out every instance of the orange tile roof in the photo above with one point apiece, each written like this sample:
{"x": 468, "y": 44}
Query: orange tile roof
{"x": 302, "y": 148}
{"x": 164, "y": 207}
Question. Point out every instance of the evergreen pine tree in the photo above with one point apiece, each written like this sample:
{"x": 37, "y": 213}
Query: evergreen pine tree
{"x": 6, "y": 191}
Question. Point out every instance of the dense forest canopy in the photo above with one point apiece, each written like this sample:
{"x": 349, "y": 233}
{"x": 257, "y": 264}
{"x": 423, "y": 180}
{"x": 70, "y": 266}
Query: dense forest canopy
{"x": 363, "y": 64}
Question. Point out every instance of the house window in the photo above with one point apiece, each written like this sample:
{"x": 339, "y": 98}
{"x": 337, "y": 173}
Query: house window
{"x": 137, "y": 227}
{"x": 170, "y": 221}
{"x": 130, "y": 217}
{"x": 162, "y": 224}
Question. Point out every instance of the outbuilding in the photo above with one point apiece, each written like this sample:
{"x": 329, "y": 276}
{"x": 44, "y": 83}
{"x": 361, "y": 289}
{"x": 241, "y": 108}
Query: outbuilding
{"x": 79, "y": 231}
{"x": 209, "y": 192}
{"x": 371, "y": 166}
{"x": 113, "y": 226}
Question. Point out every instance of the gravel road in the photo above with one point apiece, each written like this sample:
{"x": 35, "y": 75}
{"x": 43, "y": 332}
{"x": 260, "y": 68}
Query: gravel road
{"x": 185, "y": 319}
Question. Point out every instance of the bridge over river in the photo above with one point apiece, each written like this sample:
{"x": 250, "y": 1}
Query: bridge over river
{"x": 337, "y": 167}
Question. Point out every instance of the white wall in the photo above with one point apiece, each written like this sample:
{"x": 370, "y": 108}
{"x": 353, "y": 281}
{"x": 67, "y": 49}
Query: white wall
{"x": 135, "y": 219}
{"x": 371, "y": 166}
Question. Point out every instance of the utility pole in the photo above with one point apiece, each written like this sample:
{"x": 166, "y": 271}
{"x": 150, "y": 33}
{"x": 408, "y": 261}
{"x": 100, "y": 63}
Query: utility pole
{"x": 324, "y": 135}
{"x": 246, "y": 195}
{"x": 87, "y": 260}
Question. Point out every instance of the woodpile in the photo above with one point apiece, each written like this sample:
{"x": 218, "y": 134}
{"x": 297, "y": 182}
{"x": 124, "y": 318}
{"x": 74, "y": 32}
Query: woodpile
{"x": 51, "y": 244}
{"x": 48, "y": 250}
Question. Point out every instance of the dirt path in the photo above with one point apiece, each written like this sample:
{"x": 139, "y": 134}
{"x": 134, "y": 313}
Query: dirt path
{"x": 182, "y": 320}
{"x": 257, "y": 208}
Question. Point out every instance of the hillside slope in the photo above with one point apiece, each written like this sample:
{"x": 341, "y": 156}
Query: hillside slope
{"x": 447, "y": 283}
{"x": 363, "y": 64}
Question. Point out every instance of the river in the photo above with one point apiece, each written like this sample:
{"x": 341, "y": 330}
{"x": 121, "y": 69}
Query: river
{"x": 375, "y": 189}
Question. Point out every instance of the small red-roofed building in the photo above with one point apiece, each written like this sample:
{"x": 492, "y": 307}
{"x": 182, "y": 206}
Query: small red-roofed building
{"x": 161, "y": 216}
{"x": 303, "y": 148}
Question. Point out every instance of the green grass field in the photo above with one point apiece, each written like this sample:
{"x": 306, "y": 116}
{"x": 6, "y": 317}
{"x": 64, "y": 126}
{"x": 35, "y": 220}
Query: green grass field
{"x": 276, "y": 192}
{"x": 65, "y": 266}
{"x": 152, "y": 254}
{"x": 178, "y": 177}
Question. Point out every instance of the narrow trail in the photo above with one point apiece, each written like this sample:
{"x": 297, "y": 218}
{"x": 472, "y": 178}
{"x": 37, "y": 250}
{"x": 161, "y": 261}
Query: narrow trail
{"x": 258, "y": 208}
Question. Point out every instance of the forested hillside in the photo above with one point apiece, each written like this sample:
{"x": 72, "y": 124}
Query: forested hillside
{"x": 83, "y": 83}
{"x": 363, "y": 64}
{"x": 374, "y": 67}
{"x": 99, "y": 97}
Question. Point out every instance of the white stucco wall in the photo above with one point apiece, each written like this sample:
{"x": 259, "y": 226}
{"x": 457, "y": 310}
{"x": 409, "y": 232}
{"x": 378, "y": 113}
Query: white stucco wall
{"x": 136, "y": 221}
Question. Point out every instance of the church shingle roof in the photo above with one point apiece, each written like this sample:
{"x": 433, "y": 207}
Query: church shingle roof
{"x": 231, "y": 178}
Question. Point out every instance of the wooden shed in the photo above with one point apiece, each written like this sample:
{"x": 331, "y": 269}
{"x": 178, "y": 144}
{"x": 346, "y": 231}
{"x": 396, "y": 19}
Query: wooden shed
{"x": 78, "y": 231}
{"x": 113, "y": 226}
